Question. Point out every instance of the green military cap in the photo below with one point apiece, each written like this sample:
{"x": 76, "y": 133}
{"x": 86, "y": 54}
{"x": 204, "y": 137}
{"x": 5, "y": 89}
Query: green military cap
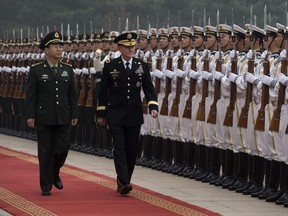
{"x": 105, "y": 36}
{"x": 52, "y": 37}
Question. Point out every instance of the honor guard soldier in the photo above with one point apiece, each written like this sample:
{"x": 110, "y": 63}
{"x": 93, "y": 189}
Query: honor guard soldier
{"x": 51, "y": 108}
{"x": 119, "y": 105}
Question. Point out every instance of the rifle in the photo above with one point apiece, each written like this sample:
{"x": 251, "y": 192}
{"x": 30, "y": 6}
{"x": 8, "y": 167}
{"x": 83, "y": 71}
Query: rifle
{"x": 144, "y": 102}
{"x": 228, "y": 120}
{"x": 164, "y": 108}
{"x": 89, "y": 101}
{"x": 213, "y": 108}
{"x": 82, "y": 93}
{"x": 243, "y": 119}
{"x": 157, "y": 80}
{"x": 188, "y": 105}
{"x": 260, "y": 121}
{"x": 201, "y": 109}
{"x": 175, "y": 105}
{"x": 7, "y": 80}
{"x": 275, "y": 121}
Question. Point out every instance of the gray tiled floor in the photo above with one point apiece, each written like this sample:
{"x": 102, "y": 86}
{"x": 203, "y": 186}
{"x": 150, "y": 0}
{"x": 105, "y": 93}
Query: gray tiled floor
{"x": 204, "y": 195}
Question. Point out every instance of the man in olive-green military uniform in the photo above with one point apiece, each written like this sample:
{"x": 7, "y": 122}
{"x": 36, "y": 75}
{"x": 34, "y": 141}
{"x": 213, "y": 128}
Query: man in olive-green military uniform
{"x": 51, "y": 108}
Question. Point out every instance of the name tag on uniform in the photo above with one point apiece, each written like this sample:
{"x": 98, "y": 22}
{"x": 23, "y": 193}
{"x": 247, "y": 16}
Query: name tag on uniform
{"x": 64, "y": 74}
{"x": 114, "y": 73}
{"x": 45, "y": 76}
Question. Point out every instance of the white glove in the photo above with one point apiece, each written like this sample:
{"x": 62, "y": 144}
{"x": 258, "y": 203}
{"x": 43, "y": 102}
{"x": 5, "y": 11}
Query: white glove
{"x": 23, "y": 69}
{"x": 218, "y": 75}
{"x": 18, "y": 69}
{"x": 139, "y": 53}
{"x": 98, "y": 65}
{"x": 147, "y": 54}
{"x": 169, "y": 73}
{"x": 207, "y": 76}
{"x": 249, "y": 77}
{"x": 232, "y": 54}
{"x": 217, "y": 55}
{"x": 28, "y": 55}
{"x": 43, "y": 55}
{"x": 92, "y": 55}
{"x": 263, "y": 55}
{"x": 232, "y": 77}
{"x": 85, "y": 70}
{"x": 14, "y": 68}
{"x": 179, "y": 52}
{"x": 152, "y": 75}
{"x": 194, "y": 74}
{"x": 27, "y": 69}
{"x": 159, "y": 53}
{"x": 77, "y": 71}
{"x": 266, "y": 80}
{"x": 77, "y": 55}
{"x": 180, "y": 73}
{"x": 283, "y": 79}
{"x": 158, "y": 73}
{"x": 84, "y": 55}
{"x": 283, "y": 53}
{"x": 193, "y": 52}
{"x": 249, "y": 54}
{"x": 92, "y": 70}
{"x": 206, "y": 52}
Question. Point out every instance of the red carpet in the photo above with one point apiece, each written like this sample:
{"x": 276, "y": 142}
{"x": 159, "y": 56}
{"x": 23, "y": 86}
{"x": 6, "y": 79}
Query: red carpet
{"x": 84, "y": 193}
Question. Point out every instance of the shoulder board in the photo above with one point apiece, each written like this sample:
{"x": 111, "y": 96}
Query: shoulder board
{"x": 67, "y": 64}
{"x": 33, "y": 65}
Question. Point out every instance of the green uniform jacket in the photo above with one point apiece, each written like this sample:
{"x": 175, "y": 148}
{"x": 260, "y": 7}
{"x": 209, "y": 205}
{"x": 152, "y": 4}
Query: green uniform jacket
{"x": 51, "y": 98}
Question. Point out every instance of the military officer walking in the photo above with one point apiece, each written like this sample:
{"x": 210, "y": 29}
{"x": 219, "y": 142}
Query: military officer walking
{"x": 51, "y": 108}
{"x": 120, "y": 105}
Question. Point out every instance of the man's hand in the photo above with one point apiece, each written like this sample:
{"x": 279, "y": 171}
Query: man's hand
{"x": 74, "y": 121}
{"x": 101, "y": 121}
{"x": 31, "y": 123}
{"x": 154, "y": 113}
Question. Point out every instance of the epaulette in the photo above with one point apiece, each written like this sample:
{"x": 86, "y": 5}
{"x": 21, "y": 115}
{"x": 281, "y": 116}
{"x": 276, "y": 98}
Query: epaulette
{"x": 38, "y": 63}
{"x": 67, "y": 64}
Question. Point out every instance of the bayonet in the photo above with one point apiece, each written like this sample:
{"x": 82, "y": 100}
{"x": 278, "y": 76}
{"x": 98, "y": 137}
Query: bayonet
{"x": 62, "y": 31}
{"x": 265, "y": 28}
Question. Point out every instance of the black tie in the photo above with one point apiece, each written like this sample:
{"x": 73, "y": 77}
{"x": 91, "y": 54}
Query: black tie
{"x": 127, "y": 67}
{"x": 54, "y": 69}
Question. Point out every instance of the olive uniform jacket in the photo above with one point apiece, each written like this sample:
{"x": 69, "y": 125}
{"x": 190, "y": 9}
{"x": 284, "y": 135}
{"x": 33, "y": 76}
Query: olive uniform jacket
{"x": 119, "y": 97}
{"x": 51, "y": 98}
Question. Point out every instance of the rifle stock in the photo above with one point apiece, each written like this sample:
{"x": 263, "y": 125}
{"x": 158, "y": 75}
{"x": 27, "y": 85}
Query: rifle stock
{"x": 217, "y": 88}
{"x": 89, "y": 101}
{"x": 228, "y": 120}
{"x": 188, "y": 105}
{"x": 275, "y": 121}
{"x": 243, "y": 119}
{"x": 260, "y": 121}
{"x": 164, "y": 107}
{"x": 175, "y": 105}
{"x": 201, "y": 109}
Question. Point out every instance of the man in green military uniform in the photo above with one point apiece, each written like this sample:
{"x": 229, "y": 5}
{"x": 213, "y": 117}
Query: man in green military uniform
{"x": 51, "y": 108}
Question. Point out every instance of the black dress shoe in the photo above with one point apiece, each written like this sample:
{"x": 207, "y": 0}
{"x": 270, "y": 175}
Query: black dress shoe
{"x": 275, "y": 197}
{"x": 244, "y": 187}
{"x": 255, "y": 187}
{"x": 228, "y": 182}
{"x": 283, "y": 199}
{"x": 258, "y": 193}
{"x": 210, "y": 177}
{"x": 269, "y": 192}
{"x": 286, "y": 205}
{"x": 46, "y": 193}
{"x": 238, "y": 184}
{"x": 58, "y": 183}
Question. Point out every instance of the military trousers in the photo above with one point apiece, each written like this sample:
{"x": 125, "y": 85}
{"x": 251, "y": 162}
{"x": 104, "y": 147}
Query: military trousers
{"x": 125, "y": 141}
{"x": 53, "y": 147}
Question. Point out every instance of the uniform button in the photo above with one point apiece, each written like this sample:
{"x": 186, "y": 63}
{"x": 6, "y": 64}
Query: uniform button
{"x": 57, "y": 102}
{"x": 128, "y": 90}
{"x": 56, "y": 82}
{"x": 128, "y": 97}
{"x": 128, "y": 84}
{"x": 56, "y": 89}
{"x": 57, "y": 95}
{"x": 128, "y": 78}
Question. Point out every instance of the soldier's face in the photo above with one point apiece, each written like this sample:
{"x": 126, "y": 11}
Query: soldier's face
{"x": 54, "y": 51}
{"x": 211, "y": 41}
{"x": 127, "y": 52}
{"x": 163, "y": 42}
{"x": 186, "y": 41}
{"x": 153, "y": 42}
{"x": 175, "y": 41}
{"x": 143, "y": 43}
{"x": 105, "y": 45}
{"x": 225, "y": 39}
